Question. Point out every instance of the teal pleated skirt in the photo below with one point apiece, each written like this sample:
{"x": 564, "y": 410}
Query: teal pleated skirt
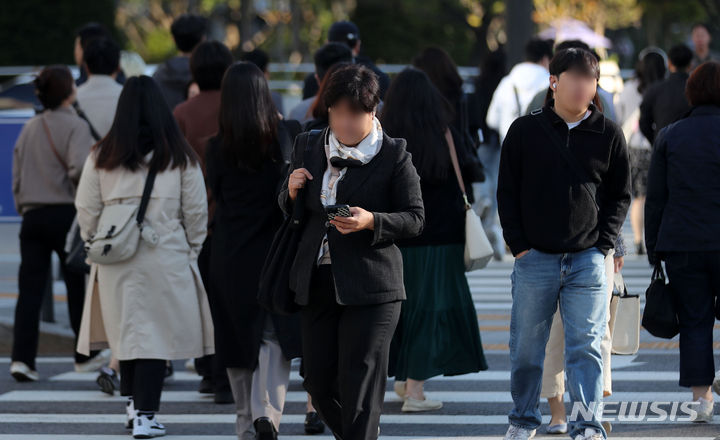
{"x": 438, "y": 332}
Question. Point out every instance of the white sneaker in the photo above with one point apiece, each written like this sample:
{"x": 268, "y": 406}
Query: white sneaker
{"x": 415, "y": 405}
{"x": 190, "y": 365}
{"x": 400, "y": 387}
{"x": 144, "y": 427}
{"x": 716, "y": 383}
{"x": 704, "y": 409}
{"x": 130, "y": 412}
{"x": 590, "y": 434}
{"x": 95, "y": 362}
{"x": 22, "y": 373}
{"x": 518, "y": 433}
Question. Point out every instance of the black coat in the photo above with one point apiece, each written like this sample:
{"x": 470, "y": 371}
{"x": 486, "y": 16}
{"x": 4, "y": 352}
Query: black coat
{"x": 246, "y": 219}
{"x": 367, "y": 265}
{"x": 663, "y": 103}
{"x": 542, "y": 202}
{"x": 682, "y": 210}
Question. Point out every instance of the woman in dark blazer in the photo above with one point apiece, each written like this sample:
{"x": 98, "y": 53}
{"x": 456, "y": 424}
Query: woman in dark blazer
{"x": 347, "y": 275}
{"x": 682, "y": 227}
{"x": 245, "y": 168}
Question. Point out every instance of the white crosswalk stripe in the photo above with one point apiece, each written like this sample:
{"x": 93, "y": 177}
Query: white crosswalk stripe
{"x": 66, "y": 404}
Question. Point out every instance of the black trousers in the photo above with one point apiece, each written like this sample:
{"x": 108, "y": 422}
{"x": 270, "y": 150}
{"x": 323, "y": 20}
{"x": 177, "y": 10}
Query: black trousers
{"x": 43, "y": 231}
{"x": 142, "y": 379}
{"x": 210, "y": 366}
{"x": 695, "y": 279}
{"x": 345, "y": 356}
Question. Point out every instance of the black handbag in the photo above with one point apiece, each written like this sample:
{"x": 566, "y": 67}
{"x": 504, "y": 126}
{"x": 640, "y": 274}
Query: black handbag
{"x": 660, "y": 315}
{"x": 274, "y": 292}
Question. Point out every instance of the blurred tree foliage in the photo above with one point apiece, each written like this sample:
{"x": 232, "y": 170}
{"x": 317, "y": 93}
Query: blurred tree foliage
{"x": 39, "y": 32}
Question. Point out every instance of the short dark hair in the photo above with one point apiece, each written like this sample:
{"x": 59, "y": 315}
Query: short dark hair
{"x": 356, "y": 83}
{"x": 536, "y": 49}
{"x": 208, "y": 64}
{"x": 575, "y": 60}
{"x": 680, "y": 56}
{"x": 703, "y": 86}
{"x": 330, "y": 54}
{"x": 102, "y": 56}
{"x": 53, "y": 85}
{"x": 187, "y": 31}
{"x": 89, "y": 31}
{"x": 258, "y": 57}
{"x": 701, "y": 25}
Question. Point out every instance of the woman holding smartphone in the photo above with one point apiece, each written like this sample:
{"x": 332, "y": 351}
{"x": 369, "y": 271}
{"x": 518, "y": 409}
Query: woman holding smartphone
{"x": 347, "y": 275}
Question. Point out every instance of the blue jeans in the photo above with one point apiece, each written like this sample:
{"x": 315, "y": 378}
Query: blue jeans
{"x": 575, "y": 281}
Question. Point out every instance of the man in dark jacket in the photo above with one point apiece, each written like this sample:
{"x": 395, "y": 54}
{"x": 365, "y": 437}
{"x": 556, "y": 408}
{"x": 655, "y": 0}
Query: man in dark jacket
{"x": 664, "y": 102}
{"x": 563, "y": 194}
{"x": 174, "y": 76}
{"x": 346, "y": 32}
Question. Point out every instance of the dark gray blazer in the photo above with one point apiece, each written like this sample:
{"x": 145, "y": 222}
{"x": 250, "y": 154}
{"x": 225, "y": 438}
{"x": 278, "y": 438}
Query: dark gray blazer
{"x": 366, "y": 265}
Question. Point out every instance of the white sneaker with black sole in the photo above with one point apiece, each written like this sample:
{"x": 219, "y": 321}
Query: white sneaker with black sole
{"x": 22, "y": 373}
{"x": 146, "y": 427}
{"x": 131, "y": 413}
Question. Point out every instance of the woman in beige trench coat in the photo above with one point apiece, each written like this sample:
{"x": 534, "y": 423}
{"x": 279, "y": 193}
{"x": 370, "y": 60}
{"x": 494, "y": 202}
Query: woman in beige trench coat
{"x": 153, "y": 306}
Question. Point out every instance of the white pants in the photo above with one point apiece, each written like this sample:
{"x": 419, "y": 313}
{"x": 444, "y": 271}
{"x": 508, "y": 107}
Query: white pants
{"x": 261, "y": 393}
{"x": 553, "y": 381}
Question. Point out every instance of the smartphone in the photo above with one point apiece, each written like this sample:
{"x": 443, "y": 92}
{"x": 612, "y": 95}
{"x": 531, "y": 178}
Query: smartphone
{"x": 337, "y": 211}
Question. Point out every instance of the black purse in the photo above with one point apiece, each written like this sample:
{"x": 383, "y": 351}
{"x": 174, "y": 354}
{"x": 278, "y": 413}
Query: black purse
{"x": 660, "y": 315}
{"x": 274, "y": 292}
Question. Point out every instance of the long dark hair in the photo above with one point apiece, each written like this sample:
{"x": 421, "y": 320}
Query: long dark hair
{"x": 649, "y": 70}
{"x": 143, "y": 123}
{"x": 415, "y": 109}
{"x": 248, "y": 121}
{"x": 579, "y": 60}
{"x": 442, "y": 71}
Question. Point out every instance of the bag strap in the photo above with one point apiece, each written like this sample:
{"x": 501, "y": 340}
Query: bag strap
{"x": 456, "y": 166}
{"x": 299, "y": 206}
{"x": 82, "y": 115}
{"x": 562, "y": 147}
{"x": 149, "y": 182}
{"x": 52, "y": 145}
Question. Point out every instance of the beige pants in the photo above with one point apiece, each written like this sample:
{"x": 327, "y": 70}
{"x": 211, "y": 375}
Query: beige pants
{"x": 553, "y": 381}
{"x": 261, "y": 393}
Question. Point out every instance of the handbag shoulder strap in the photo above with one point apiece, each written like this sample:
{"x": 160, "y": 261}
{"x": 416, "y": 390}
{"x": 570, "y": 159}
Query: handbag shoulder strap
{"x": 299, "y": 206}
{"x": 561, "y": 146}
{"x": 456, "y": 166}
{"x": 80, "y": 112}
{"x": 147, "y": 190}
{"x": 52, "y": 144}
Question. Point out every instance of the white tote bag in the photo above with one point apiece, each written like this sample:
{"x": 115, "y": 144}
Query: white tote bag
{"x": 626, "y": 328}
{"x": 478, "y": 250}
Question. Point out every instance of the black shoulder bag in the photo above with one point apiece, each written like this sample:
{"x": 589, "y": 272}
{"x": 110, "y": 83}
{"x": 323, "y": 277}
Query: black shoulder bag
{"x": 660, "y": 314}
{"x": 274, "y": 292}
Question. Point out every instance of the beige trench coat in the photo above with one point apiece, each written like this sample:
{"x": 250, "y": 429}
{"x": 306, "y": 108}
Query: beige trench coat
{"x": 154, "y": 305}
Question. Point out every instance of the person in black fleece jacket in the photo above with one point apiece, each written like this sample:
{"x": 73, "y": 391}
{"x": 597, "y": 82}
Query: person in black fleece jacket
{"x": 563, "y": 194}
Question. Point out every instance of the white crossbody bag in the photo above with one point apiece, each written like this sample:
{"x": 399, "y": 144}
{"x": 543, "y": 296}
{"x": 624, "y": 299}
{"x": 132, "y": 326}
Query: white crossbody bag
{"x": 478, "y": 250}
{"x": 120, "y": 229}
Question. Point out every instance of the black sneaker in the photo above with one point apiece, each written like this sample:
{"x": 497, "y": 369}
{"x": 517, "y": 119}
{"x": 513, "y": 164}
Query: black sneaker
{"x": 108, "y": 380}
{"x": 206, "y": 386}
{"x": 264, "y": 429}
{"x": 313, "y": 424}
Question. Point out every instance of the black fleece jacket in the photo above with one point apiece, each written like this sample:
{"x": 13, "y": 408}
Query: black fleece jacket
{"x": 542, "y": 202}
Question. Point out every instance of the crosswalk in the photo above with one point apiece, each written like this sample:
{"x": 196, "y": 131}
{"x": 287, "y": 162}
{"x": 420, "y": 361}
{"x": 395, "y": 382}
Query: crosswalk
{"x": 65, "y": 405}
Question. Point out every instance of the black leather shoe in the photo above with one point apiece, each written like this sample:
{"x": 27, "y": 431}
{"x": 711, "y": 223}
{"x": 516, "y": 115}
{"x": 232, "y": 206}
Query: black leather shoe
{"x": 224, "y": 397}
{"x": 313, "y": 424}
{"x": 264, "y": 429}
{"x": 206, "y": 386}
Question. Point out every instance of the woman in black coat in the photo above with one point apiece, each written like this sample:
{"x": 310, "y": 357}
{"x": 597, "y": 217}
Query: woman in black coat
{"x": 347, "y": 275}
{"x": 245, "y": 168}
{"x": 682, "y": 227}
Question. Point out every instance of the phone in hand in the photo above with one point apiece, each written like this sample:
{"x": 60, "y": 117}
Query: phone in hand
{"x": 337, "y": 211}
